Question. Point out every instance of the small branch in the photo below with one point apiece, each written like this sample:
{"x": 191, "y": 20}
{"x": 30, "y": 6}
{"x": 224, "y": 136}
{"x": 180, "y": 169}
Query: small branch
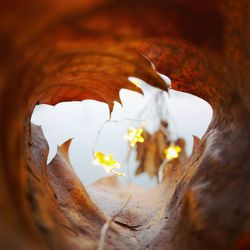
{"x": 107, "y": 224}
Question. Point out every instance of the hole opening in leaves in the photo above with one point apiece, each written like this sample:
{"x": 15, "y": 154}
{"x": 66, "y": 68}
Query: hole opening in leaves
{"x": 186, "y": 114}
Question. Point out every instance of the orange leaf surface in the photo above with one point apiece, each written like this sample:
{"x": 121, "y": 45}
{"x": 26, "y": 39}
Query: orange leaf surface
{"x": 54, "y": 51}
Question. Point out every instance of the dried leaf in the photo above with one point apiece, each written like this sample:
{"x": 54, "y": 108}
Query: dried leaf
{"x": 57, "y": 50}
{"x": 150, "y": 154}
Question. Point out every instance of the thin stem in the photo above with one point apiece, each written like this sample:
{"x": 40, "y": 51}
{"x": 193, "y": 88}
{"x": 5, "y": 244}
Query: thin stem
{"x": 107, "y": 121}
{"x": 161, "y": 170}
{"x": 106, "y": 226}
{"x": 127, "y": 161}
{"x": 98, "y": 136}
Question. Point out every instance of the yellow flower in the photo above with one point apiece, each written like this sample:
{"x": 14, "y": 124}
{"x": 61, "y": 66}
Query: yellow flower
{"x": 134, "y": 136}
{"x": 172, "y": 152}
{"x": 108, "y": 163}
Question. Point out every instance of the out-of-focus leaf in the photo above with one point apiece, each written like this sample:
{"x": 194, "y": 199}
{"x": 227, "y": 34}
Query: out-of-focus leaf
{"x": 151, "y": 154}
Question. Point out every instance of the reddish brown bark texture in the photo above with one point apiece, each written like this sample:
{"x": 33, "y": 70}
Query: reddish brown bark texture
{"x": 53, "y": 51}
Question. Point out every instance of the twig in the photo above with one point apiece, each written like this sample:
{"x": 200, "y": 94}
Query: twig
{"x": 107, "y": 121}
{"x": 106, "y": 226}
{"x": 161, "y": 170}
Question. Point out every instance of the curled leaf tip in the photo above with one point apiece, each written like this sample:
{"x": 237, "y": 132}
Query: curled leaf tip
{"x": 136, "y": 81}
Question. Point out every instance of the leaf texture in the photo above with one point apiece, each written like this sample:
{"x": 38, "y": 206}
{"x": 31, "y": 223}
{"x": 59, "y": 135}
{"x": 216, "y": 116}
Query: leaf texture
{"x": 54, "y": 51}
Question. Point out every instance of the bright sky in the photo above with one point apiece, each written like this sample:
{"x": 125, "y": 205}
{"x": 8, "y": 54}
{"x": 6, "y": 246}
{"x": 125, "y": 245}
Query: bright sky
{"x": 188, "y": 115}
